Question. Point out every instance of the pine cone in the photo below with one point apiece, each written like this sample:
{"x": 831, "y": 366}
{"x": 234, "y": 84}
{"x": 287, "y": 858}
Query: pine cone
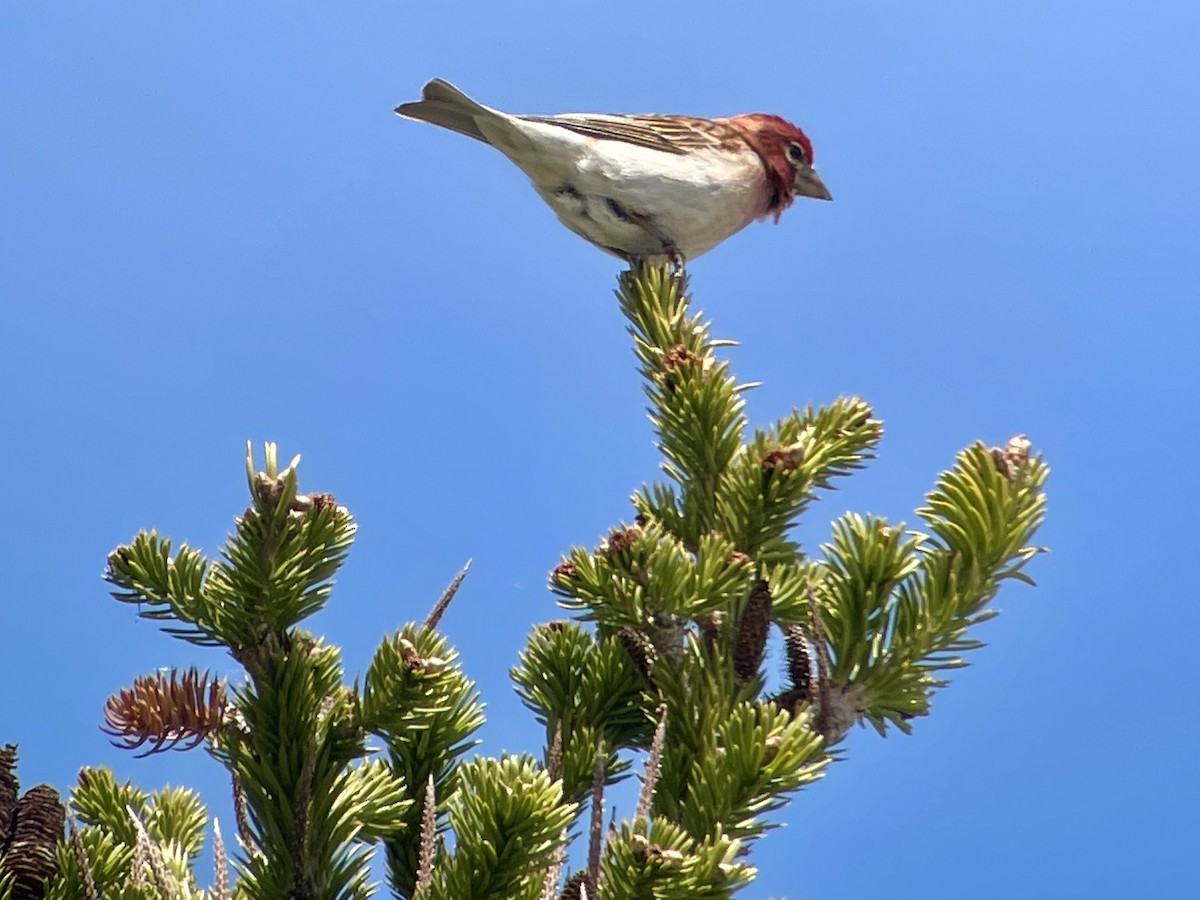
{"x": 752, "y": 629}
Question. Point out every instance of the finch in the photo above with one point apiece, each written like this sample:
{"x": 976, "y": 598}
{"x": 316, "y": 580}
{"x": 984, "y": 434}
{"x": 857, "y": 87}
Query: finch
{"x": 642, "y": 185}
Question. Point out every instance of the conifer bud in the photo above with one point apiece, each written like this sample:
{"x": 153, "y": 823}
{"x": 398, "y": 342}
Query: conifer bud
{"x": 620, "y": 539}
{"x": 782, "y": 460}
{"x": 323, "y": 500}
{"x": 675, "y": 358}
{"x": 562, "y": 573}
{"x": 677, "y": 355}
{"x": 1009, "y": 458}
{"x": 267, "y": 490}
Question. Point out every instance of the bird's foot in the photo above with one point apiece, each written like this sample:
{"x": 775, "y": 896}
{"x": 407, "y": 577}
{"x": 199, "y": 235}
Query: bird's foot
{"x": 646, "y": 223}
{"x": 675, "y": 258}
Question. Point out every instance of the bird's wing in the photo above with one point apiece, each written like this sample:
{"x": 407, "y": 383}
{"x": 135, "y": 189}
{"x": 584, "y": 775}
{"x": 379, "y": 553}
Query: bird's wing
{"x": 670, "y": 134}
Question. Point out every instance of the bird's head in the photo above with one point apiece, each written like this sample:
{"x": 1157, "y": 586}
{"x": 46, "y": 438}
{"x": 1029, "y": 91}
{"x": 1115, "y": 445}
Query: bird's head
{"x": 787, "y": 154}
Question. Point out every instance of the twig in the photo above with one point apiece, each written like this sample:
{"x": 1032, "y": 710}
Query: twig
{"x": 596, "y": 829}
{"x": 554, "y": 753}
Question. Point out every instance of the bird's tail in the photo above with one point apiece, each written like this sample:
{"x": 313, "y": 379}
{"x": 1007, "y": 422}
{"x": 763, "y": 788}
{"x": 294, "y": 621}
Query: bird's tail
{"x": 443, "y": 104}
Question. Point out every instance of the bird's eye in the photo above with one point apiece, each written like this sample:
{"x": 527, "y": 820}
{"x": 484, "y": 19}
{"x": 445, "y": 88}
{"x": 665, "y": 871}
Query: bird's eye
{"x": 796, "y": 154}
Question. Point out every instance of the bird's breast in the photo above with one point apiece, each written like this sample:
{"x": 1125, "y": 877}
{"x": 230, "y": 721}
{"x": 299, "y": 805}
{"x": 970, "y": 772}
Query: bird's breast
{"x": 601, "y": 189}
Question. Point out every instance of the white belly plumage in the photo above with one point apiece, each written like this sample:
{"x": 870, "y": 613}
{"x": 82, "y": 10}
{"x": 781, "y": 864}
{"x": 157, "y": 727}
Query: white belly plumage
{"x": 633, "y": 200}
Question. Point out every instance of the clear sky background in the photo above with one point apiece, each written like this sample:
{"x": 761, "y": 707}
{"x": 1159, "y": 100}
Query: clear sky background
{"x": 213, "y": 229}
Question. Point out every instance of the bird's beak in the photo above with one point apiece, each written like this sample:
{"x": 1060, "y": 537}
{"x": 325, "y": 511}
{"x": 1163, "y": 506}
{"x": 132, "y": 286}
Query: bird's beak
{"x": 808, "y": 183}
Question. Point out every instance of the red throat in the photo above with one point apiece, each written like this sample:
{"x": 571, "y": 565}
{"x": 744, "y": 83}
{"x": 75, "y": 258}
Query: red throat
{"x": 769, "y": 137}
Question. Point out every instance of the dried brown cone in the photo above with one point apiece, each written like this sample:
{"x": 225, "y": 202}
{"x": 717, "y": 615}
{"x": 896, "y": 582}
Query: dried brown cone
{"x": 170, "y": 711}
{"x": 640, "y": 651}
{"x": 576, "y": 887}
{"x": 8, "y": 791}
{"x": 37, "y": 828}
{"x": 799, "y": 662}
{"x": 750, "y": 642}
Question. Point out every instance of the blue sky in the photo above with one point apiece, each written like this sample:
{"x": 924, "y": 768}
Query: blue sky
{"x": 213, "y": 229}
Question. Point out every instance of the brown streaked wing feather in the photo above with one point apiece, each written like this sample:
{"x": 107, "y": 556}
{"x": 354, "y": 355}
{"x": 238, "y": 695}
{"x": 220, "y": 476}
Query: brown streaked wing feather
{"x": 670, "y": 134}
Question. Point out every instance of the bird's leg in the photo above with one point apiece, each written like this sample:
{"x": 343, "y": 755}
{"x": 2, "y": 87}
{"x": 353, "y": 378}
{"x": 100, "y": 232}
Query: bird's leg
{"x": 674, "y": 257}
{"x": 669, "y": 250}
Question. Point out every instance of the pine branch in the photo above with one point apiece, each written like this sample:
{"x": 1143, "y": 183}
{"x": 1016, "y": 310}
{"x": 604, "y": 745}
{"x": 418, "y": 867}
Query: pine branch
{"x": 691, "y": 589}
{"x": 676, "y": 610}
{"x": 507, "y": 817}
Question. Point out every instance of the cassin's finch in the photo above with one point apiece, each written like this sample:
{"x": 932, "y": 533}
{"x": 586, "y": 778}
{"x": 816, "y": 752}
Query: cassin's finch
{"x": 648, "y": 185}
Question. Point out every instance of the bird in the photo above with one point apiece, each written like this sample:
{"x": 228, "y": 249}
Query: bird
{"x": 641, "y": 186}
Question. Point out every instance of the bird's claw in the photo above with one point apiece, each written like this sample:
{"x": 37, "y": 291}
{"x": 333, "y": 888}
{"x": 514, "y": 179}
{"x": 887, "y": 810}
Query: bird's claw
{"x": 675, "y": 258}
